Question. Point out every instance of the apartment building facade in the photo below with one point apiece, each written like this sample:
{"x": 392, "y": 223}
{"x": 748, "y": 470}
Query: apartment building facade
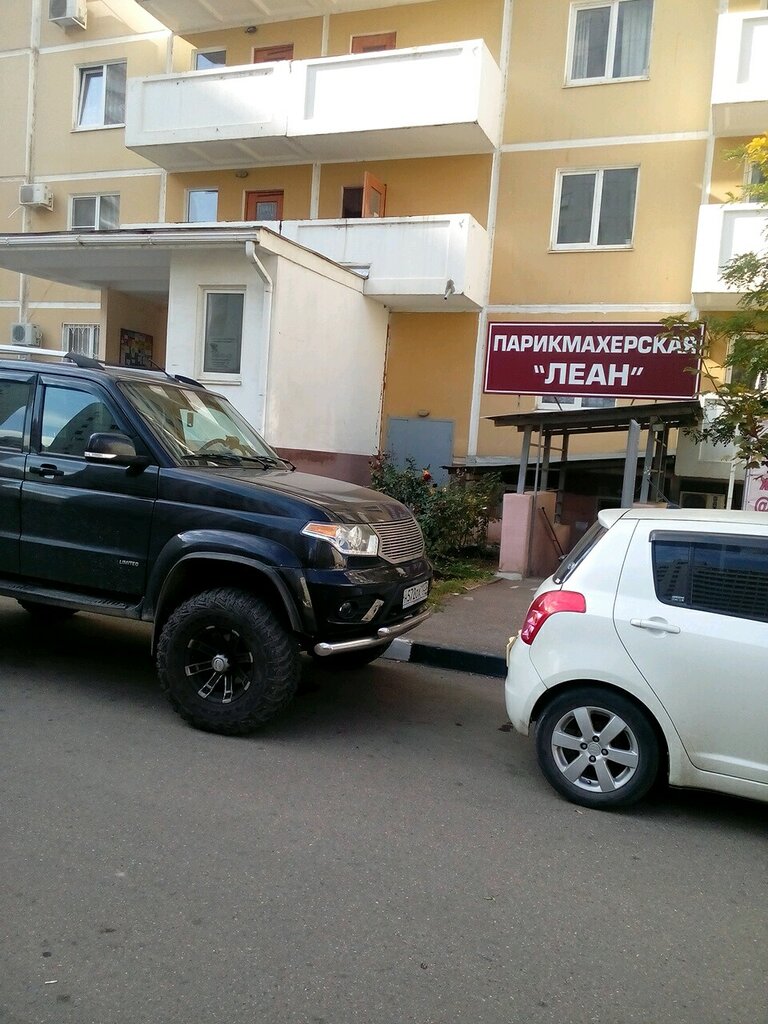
{"x": 329, "y": 209}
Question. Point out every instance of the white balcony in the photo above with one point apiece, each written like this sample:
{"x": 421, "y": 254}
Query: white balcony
{"x": 725, "y": 230}
{"x": 425, "y": 101}
{"x": 740, "y": 84}
{"x": 419, "y": 264}
{"x": 185, "y": 16}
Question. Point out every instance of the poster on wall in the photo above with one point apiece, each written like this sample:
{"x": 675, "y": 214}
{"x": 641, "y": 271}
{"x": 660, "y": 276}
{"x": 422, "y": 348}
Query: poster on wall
{"x": 135, "y": 349}
{"x": 592, "y": 359}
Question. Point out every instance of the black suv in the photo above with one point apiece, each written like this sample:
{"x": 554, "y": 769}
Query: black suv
{"x": 143, "y": 495}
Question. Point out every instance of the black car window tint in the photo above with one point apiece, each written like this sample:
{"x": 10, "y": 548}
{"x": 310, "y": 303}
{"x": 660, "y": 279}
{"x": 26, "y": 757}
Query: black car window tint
{"x": 671, "y": 573}
{"x": 731, "y": 578}
{"x": 70, "y": 417}
{"x": 14, "y": 396}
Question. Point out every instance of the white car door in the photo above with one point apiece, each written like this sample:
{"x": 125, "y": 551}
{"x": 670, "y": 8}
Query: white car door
{"x": 692, "y": 612}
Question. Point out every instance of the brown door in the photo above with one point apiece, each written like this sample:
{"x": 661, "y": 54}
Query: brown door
{"x": 264, "y": 205}
{"x": 267, "y": 54}
{"x": 374, "y": 196}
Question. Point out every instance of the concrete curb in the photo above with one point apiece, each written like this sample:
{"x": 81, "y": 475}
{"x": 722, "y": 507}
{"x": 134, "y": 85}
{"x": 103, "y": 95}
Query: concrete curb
{"x": 446, "y": 657}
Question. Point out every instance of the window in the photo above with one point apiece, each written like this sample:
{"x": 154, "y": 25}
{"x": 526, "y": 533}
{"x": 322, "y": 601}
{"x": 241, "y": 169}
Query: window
{"x": 374, "y": 42}
{"x": 267, "y": 54}
{"x": 724, "y": 575}
{"x": 202, "y": 205}
{"x": 264, "y": 205}
{"x": 595, "y": 208}
{"x": 80, "y": 338}
{"x": 575, "y": 402}
{"x": 70, "y": 416}
{"x": 95, "y": 213}
{"x": 207, "y": 59}
{"x": 14, "y": 396}
{"x": 739, "y": 374}
{"x": 101, "y": 96}
{"x": 609, "y": 40}
{"x": 223, "y": 332}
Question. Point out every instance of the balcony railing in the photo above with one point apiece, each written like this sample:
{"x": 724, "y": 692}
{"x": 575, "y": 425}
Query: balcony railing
{"x": 740, "y": 84}
{"x": 419, "y": 264}
{"x": 725, "y": 230}
{"x": 424, "y": 101}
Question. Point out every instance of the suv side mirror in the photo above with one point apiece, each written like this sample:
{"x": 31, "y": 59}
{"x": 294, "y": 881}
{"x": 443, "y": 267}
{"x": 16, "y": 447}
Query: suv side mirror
{"x": 116, "y": 448}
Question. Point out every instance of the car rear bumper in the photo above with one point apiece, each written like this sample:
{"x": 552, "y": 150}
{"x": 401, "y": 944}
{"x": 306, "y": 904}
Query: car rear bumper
{"x": 523, "y": 686}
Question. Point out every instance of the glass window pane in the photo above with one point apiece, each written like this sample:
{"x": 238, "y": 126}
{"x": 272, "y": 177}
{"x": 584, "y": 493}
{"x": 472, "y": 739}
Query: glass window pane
{"x": 202, "y": 205}
{"x": 633, "y": 38}
{"x": 671, "y": 571}
{"x": 266, "y": 211}
{"x": 69, "y": 419}
{"x": 577, "y": 195}
{"x": 211, "y": 59}
{"x": 731, "y": 579}
{"x": 114, "y": 112}
{"x": 91, "y": 108}
{"x": 617, "y": 207}
{"x": 223, "y": 332}
{"x": 597, "y": 402}
{"x": 109, "y": 212}
{"x": 84, "y": 213}
{"x": 590, "y": 42}
{"x": 14, "y": 395}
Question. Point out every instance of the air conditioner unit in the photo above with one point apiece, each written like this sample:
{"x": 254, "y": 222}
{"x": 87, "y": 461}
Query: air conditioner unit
{"x": 68, "y": 13}
{"x": 26, "y": 334}
{"x": 701, "y": 499}
{"x": 36, "y": 195}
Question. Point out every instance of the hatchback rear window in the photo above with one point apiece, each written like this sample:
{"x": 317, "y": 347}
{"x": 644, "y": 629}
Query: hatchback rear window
{"x": 724, "y": 575}
{"x": 579, "y": 552}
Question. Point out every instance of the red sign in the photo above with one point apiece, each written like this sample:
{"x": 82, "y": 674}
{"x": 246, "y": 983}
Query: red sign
{"x": 611, "y": 360}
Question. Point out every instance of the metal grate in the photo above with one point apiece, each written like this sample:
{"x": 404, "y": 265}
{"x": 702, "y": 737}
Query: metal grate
{"x": 401, "y": 540}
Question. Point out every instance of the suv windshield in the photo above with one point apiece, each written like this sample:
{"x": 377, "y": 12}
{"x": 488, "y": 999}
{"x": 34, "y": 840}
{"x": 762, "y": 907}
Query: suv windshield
{"x": 197, "y": 424}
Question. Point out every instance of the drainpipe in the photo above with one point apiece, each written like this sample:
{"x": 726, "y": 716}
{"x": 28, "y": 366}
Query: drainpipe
{"x": 269, "y": 288}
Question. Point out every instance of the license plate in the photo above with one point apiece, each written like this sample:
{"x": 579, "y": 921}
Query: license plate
{"x": 418, "y": 592}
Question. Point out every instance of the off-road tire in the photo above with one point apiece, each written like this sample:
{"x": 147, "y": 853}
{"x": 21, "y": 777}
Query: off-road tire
{"x": 227, "y": 624}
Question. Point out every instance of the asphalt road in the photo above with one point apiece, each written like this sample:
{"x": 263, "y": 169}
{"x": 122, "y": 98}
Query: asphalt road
{"x": 383, "y": 853}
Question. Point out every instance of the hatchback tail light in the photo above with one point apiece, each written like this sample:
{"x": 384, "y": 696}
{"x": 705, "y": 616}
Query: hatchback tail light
{"x": 548, "y": 604}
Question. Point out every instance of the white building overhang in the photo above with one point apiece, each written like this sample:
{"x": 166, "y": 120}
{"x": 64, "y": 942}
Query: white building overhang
{"x": 188, "y": 16}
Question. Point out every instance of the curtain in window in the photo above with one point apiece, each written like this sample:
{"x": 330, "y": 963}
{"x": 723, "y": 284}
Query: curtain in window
{"x": 114, "y": 106}
{"x": 617, "y": 206}
{"x": 590, "y": 43}
{"x": 109, "y": 212}
{"x": 633, "y": 38}
{"x": 577, "y": 195}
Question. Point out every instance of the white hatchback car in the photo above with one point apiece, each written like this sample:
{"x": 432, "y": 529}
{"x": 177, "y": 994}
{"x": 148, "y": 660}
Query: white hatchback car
{"x": 647, "y": 652}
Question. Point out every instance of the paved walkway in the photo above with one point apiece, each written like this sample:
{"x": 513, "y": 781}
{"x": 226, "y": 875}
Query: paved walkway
{"x": 470, "y": 629}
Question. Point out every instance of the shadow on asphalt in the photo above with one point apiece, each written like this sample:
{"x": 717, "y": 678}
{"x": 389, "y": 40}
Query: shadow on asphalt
{"x": 98, "y": 655}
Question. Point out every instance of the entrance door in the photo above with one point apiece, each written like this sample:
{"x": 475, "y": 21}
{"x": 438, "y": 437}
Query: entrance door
{"x": 85, "y": 524}
{"x": 428, "y": 442}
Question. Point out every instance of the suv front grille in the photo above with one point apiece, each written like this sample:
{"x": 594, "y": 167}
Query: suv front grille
{"x": 401, "y": 540}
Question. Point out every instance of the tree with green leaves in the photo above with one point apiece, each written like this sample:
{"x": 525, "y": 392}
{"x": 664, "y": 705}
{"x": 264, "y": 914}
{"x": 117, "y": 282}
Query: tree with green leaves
{"x": 743, "y": 336}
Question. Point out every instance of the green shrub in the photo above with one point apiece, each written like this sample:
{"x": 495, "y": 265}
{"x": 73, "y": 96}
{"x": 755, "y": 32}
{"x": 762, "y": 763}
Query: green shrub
{"x": 454, "y": 517}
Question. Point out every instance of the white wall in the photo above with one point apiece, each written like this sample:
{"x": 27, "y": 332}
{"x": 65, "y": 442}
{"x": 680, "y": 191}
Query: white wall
{"x": 326, "y": 366}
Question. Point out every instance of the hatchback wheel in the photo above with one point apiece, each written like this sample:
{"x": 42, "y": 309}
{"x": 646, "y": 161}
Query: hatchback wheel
{"x": 597, "y": 748}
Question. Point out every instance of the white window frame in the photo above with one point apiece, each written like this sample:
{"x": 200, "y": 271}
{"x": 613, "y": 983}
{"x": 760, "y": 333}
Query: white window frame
{"x": 80, "y": 73}
{"x": 205, "y": 50}
{"x": 89, "y": 332}
{"x": 189, "y": 193}
{"x": 610, "y": 45}
{"x": 98, "y": 196}
{"x": 591, "y": 245}
{"x": 219, "y": 376}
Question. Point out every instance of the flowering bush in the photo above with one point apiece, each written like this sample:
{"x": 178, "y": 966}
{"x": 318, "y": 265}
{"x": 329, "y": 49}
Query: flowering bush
{"x": 453, "y": 517}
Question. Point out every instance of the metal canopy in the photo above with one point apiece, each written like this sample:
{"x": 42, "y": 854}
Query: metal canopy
{"x": 658, "y": 419}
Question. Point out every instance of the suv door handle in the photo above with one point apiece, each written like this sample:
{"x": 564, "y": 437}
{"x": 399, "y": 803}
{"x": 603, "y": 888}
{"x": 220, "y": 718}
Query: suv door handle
{"x": 46, "y": 470}
{"x": 660, "y": 625}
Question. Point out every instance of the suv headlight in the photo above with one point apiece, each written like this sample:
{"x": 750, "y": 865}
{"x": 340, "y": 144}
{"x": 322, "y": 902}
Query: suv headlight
{"x": 349, "y": 540}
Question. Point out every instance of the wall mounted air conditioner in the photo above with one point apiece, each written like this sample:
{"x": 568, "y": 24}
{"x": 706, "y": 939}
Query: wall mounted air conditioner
{"x": 701, "y": 499}
{"x": 26, "y": 334}
{"x": 68, "y": 13}
{"x": 36, "y": 195}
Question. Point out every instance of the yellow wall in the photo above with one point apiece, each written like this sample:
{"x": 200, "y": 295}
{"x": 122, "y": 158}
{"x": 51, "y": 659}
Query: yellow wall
{"x": 675, "y": 98}
{"x": 13, "y": 115}
{"x": 656, "y": 269}
{"x": 429, "y": 366}
{"x": 296, "y": 182}
{"x": 306, "y": 35}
